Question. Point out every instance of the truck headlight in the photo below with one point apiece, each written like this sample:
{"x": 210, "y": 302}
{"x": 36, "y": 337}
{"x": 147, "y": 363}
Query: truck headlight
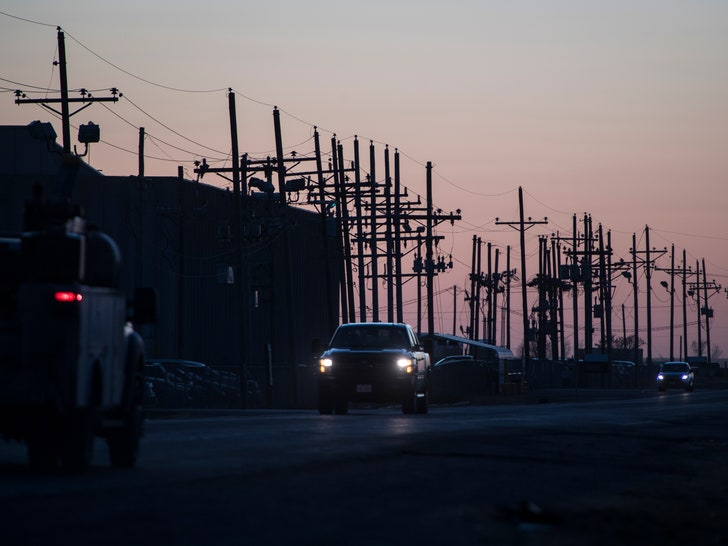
{"x": 325, "y": 364}
{"x": 405, "y": 364}
{"x": 660, "y": 377}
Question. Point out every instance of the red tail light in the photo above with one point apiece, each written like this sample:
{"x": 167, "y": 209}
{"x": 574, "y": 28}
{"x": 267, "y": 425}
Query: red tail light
{"x": 68, "y": 296}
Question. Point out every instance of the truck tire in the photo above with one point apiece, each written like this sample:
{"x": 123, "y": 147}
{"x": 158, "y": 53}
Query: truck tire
{"x": 43, "y": 443}
{"x": 124, "y": 441}
{"x": 341, "y": 405}
{"x": 325, "y": 401}
{"x": 78, "y": 440}
{"x": 421, "y": 402}
{"x": 409, "y": 404}
{"x": 42, "y": 455}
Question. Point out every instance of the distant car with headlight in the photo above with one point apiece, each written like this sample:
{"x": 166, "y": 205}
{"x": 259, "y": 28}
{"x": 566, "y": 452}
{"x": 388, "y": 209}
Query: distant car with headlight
{"x": 675, "y": 374}
{"x": 378, "y": 362}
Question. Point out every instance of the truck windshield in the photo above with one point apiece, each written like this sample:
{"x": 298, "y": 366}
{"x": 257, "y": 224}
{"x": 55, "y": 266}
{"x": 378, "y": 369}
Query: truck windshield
{"x": 675, "y": 367}
{"x": 370, "y": 337}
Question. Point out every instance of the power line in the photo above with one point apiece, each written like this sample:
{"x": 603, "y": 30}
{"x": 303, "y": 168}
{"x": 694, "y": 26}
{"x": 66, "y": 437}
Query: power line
{"x": 26, "y": 20}
{"x": 170, "y": 129}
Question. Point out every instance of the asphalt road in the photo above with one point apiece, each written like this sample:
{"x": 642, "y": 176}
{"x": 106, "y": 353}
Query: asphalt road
{"x": 651, "y": 469}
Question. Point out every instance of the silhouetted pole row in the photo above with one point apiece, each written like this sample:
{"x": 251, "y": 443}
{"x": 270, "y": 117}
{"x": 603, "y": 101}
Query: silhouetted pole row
{"x": 375, "y": 221}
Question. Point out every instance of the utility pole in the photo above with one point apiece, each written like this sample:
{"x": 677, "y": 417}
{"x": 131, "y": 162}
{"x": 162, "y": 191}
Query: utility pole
{"x": 398, "y": 237}
{"x": 649, "y": 263}
{"x": 703, "y": 310}
{"x": 587, "y": 279}
{"x": 511, "y": 273}
{"x": 635, "y": 293}
{"x": 389, "y": 236}
{"x": 454, "y": 309}
{"x": 523, "y": 225}
{"x": 373, "y": 233}
{"x": 65, "y": 101}
{"x": 562, "y": 288}
{"x": 359, "y": 231}
{"x": 340, "y": 209}
{"x": 241, "y": 286}
{"x": 708, "y": 312}
{"x": 347, "y": 238}
{"x": 605, "y": 292}
{"x": 283, "y": 211}
{"x": 478, "y": 285}
{"x": 141, "y": 152}
{"x": 672, "y": 271}
{"x": 685, "y": 303}
{"x": 575, "y": 276}
{"x": 330, "y": 305}
{"x": 496, "y": 278}
{"x": 429, "y": 262}
{"x": 473, "y": 285}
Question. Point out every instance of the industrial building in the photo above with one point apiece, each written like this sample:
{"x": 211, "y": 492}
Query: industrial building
{"x": 249, "y": 302}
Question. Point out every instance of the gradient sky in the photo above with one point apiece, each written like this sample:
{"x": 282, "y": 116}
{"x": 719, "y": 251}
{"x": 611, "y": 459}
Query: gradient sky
{"x": 618, "y": 109}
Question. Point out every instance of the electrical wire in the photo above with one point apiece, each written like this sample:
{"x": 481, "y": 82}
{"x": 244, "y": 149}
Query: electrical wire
{"x": 169, "y": 128}
{"x": 27, "y": 20}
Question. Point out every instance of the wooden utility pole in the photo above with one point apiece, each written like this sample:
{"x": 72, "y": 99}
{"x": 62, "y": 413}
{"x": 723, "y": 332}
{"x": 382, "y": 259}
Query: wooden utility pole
{"x": 508, "y": 296}
{"x": 339, "y": 208}
{"x": 429, "y": 262}
{"x": 586, "y": 267}
{"x": 496, "y": 278}
{"x": 473, "y": 285}
{"x": 373, "y": 233}
{"x": 241, "y": 286}
{"x": 65, "y": 101}
{"x": 141, "y": 152}
{"x": 389, "y": 235}
{"x": 672, "y": 271}
{"x": 685, "y": 270}
{"x": 651, "y": 254}
{"x": 287, "y": 273}
{"x": 454, "y": 309}
{"x": 523, "y": 225}
{"x": 345, "y": 228}
{"x": 398, "y": 238}
{"x": 478, "y": 286}
{"x": 636, "y": 300}
{"x": 574, "y": 276}
{"x": 703, "y": 309}
{"x": 331, "y": 313}
{"x": 359, "y": 233}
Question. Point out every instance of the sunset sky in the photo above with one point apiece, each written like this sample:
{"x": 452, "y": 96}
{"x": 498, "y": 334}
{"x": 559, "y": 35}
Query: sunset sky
{"x": 616, "y": 109}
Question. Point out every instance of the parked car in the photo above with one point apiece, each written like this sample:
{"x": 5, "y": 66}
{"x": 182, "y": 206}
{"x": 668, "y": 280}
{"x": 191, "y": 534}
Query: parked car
{"x": 373, "y": 362}
{"x": 186, "y": 383}
{"x": 675, "y": 374}
{"x": 460, "y": 378}
{"x": 164, "y": 388}
{"x": 622, "y": 373}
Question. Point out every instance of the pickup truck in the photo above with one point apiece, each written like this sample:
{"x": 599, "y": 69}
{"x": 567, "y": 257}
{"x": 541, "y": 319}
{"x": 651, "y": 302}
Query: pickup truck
{"x": 71, "y": 363}
{"x": 373, "y": 362}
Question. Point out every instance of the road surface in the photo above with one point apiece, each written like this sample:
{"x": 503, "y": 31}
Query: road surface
{"x": 646, "y": 470}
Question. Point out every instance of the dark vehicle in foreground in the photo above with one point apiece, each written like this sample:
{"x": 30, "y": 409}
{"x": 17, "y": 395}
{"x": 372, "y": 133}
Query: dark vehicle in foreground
{"x": 675, "y": 374}
{"x": 373, "y": 362}
{"x": 71, "y": 364}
